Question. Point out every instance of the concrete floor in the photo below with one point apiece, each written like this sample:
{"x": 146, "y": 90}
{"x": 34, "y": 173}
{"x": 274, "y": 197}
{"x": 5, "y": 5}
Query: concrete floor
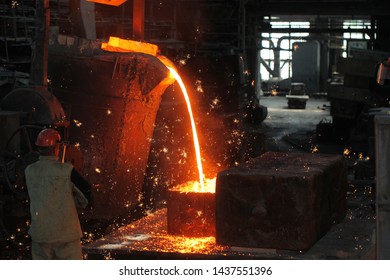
{"x": 282, "y": 124}
{"x": 292, "y": 120}
{"x": 295, "y": 129}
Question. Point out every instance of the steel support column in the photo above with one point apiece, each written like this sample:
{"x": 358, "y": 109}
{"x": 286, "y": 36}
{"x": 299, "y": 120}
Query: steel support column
{"x": 138, "y": 19}
{"x": 382, "y": 134}
{"x": 41, "y": 44}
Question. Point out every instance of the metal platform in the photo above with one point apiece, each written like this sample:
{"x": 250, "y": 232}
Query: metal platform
{"x": 147, "y": 238}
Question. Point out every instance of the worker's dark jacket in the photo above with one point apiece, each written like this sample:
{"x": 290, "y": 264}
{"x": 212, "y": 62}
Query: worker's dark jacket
{"x": 53, "y": 199}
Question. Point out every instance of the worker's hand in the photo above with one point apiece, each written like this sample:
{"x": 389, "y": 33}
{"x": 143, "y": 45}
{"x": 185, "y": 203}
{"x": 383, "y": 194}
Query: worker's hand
{"x": 79, "y": 198}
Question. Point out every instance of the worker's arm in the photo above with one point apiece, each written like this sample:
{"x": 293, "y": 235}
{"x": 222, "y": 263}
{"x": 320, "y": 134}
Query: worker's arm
{"x": 83, "y": 185}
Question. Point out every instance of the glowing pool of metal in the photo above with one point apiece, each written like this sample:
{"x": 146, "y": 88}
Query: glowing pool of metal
{"x": 191, "y": 212}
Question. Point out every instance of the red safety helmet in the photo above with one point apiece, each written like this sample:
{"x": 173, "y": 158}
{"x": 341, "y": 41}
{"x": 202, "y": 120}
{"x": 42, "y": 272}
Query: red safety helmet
{"x": 48, "y": 138}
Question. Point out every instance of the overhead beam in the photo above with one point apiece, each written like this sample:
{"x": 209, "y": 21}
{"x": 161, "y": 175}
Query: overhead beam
{"x": 316, "y": 30}
{"x": 319, "y": 8}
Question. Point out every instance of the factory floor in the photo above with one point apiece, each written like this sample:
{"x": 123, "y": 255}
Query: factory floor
{"x": 282, "y": 122}
{"x": 296, "y": 129}
{"x": 293, "y": 120}
{"x": 285, "y": 130}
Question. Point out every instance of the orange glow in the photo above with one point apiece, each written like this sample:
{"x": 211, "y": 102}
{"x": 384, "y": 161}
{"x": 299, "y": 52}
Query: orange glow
{"x": 109, "y": 2}
{"x": 179, "y": 244}
{"x": 166, "y": 61}
{"x": 116, "y": 44}
{"x": 192, "y": 245}
{"x": 150, "y": 234}
{"x": 346, "y": 152}
{"x": 77, "y": 123}
{"x": 194, "y": 133}
{"x": 194, "y": 186}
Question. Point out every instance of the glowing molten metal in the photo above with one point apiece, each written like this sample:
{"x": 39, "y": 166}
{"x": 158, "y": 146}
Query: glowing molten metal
{"x": 194, "y": 186}
{"x": 190, "y": 206}
{"x": 116, "y": 44}
{"x": 194, "y": 133}
{"x": 109, "y": 2}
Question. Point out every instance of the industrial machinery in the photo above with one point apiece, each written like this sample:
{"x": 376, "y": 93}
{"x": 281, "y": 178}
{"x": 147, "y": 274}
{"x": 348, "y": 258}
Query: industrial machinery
{"x": 297, "y": 96}
{"x": 355, "y": 94}
{"x": 26, "y": 106}
{"x": 105, "y": 105}
{"x": 121, "y": 114}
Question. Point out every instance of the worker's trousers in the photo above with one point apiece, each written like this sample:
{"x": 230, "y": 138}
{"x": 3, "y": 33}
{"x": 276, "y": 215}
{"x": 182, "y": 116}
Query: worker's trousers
{"x": 57, "y": 250}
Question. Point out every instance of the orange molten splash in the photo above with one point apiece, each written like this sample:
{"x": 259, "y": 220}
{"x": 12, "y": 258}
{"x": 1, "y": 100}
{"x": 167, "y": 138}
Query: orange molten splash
{"x": 194, "y": 186}
{"x": 194, "y": 133}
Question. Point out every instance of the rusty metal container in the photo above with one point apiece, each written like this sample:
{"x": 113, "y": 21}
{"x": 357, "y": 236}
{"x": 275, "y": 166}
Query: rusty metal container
{"x": 190, "y": 214}
{"x": 111, "y": 100}
{"x": 282, "y": 201}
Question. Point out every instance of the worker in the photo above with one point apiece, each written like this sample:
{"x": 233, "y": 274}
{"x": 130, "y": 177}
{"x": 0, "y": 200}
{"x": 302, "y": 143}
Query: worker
{"x": 56, "y": 192}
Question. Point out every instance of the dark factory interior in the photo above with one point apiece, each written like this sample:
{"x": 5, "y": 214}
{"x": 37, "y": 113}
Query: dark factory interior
{"x": 207, "y": 129}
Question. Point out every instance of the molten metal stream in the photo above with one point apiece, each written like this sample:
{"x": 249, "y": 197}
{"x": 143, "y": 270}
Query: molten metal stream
{"x": 194, "y": 133}
{"x": 116, "y": 44}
